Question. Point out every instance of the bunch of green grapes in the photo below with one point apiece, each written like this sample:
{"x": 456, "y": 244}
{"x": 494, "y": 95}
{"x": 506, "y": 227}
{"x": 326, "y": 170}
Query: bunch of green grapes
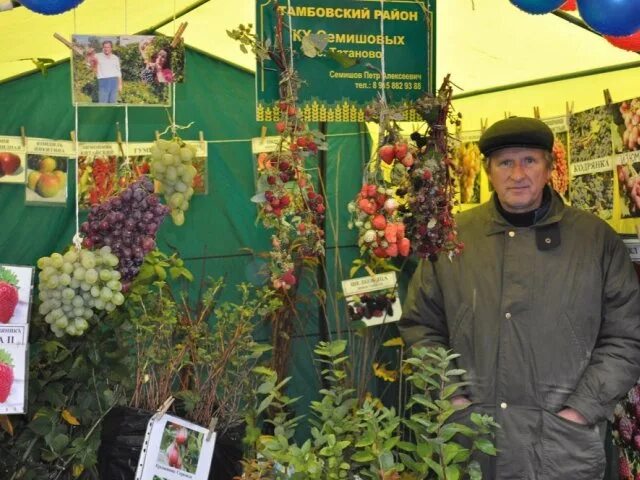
{"x": 75, "y": 284}
{"x": 172, "y": 166}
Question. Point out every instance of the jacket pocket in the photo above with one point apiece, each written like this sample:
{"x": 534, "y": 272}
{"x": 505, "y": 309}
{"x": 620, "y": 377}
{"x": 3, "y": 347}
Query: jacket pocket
{"x": 571, "y": 450}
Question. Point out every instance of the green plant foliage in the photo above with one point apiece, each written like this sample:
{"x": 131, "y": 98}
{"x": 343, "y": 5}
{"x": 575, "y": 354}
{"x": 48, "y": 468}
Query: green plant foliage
{"x": 351, "y": 440}
{"x": 153, "y": 346}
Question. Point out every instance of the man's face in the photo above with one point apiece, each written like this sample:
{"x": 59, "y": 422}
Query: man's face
{"x": 106, "y": 48}
{"x": 518, "y": 176}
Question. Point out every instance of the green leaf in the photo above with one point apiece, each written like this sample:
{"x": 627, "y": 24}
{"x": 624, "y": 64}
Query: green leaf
{"x": 366, "y": 439}
{"x": 451, "y": 451}
{"x": 314, "y": 43}
{"x": 407, "y": 446}
{"x": 485, "y": 446}
{"x": 474, "y": 471}
{"x": 41, "y": 425}
{"x": 424, "y": 450}
{"x": 344, "y": 60}
{"x": 363, "y": 457}
{"x": 59, "y": 442}
{"x": 453, "y": 472}
{"x": 264, "y": 404}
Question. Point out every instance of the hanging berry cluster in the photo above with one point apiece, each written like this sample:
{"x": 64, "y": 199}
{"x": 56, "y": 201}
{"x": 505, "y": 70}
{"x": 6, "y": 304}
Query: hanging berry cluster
{"x": 288, "y": 201}
{"x": 431, "y": 192}
{"x": 626, "y": 434}
{"x": 376, "y": 215}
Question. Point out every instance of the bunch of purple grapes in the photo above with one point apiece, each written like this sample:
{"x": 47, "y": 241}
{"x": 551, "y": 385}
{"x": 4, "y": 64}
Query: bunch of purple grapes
{"x": 128, "y": 224}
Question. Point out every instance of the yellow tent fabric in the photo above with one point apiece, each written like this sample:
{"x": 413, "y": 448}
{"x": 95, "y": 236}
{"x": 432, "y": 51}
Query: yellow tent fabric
{"x": 483, "y": 43}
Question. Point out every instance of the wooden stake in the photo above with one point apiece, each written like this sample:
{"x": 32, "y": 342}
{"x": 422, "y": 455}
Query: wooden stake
{"x": 69, "y": 44}
{"x": 23, "y": 134}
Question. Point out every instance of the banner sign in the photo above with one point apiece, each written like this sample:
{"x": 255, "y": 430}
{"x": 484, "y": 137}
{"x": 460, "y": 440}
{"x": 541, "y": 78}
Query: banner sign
{"x": 397, "y": 37}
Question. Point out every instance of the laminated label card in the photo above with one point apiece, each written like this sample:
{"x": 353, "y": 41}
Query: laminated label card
{"x": 15, "y": 301}
{"x": 175, "y": 449}
{"x": 47, "y": 162}
{"x": 374, "y": 299}
{"x": 13, "y": 379}
{"x": 12, "y": 160}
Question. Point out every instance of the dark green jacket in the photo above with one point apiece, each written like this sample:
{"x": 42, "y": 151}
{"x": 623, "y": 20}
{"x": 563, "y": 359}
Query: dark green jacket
{"x": 544, "y": 317}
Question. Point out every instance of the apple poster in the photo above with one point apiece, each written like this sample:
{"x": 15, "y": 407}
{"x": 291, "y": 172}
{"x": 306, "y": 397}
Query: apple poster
{"x": 12, "y": 160}
{"x": 47, "y": 163}
{"x": 175, "y": 449}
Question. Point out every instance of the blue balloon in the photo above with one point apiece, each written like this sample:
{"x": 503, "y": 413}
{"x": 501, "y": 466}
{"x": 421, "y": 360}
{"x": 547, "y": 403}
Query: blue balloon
{"x": 611, "y": 17}
{"x": 538, "y": 7}
{"x": 50, "y": 7}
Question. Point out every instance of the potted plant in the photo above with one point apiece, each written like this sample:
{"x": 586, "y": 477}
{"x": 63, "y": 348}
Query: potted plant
{"x": 201, "y": 353}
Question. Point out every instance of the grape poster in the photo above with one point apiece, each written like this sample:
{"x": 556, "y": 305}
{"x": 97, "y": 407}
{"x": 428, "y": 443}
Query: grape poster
{"x": 591, "y": 167}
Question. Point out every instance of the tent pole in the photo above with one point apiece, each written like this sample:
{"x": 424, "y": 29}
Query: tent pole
{"x": 323, "y": 326}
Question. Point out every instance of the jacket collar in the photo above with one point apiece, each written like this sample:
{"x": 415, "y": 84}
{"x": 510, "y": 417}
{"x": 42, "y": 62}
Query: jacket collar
{"x": 496, "y": 223}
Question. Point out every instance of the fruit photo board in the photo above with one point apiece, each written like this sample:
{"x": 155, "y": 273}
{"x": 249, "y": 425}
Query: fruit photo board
{"x": 468, "y": 161}
{"x": 591, "y": 165}
{"x": 47, "y": 162}
{"x": 626, "y": 148}
{"x": 373, "y": 300}
{"x": 97, "y": 172}
{"x": 175, "y": 449}
{"x": 15, "y": 301}
{"x": 12, "y": 160}
{"x": 147, "y": 64}
{"x": 15, "y": 294}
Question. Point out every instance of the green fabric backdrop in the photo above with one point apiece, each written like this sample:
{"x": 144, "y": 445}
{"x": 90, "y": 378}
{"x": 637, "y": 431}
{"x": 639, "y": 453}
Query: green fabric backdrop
{"x": 220, "y": 100}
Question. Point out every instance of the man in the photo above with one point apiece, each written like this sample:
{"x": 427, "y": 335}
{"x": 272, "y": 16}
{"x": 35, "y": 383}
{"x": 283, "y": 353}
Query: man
{"x": 106, "y": 66}
{"x": 543, "y": 306}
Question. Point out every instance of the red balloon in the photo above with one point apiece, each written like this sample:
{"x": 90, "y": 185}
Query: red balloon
{"x": 569, "y": 6}
{"x": 630, "y": 42}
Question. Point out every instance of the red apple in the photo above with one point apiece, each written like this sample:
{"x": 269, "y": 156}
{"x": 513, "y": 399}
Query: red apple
{"x": 9, "y": 163}
{"x": 401, "y": 150}
{"x": 387, "y": 153}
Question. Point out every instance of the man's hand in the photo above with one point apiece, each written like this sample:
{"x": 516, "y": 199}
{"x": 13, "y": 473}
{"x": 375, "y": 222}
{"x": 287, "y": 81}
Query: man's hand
{"x": 572, "y": 415}
{"x": 460, "y": 400}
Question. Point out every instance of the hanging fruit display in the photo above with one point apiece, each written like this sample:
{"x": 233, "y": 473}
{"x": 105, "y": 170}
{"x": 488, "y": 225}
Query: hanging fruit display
{"x": 431, "y": 197}
{"x": 127, "y": 223}
{"x": 75, "y": 285}
{"x": 467, "y": 160}
{"x": 172, "y": 166}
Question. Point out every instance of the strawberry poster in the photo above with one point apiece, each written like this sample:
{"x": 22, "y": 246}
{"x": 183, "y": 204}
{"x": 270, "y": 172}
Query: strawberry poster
{"x": 175, "y": 450}
{"x": 15, "y": 299}
{"x": 12, "y": 160}
{"x": 374, "y": 299}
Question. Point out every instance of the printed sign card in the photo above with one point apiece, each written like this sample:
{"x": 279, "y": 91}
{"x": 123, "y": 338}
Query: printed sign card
{"x": 15, "y": 301}
{"x": 12, "y": 160}
{"x": 47, "y": 162}
{"x": 373, "y": 300}
{"x": 175, "y": 449}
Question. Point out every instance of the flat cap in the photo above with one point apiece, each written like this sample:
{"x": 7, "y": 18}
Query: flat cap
{"x": 516, "y": 132}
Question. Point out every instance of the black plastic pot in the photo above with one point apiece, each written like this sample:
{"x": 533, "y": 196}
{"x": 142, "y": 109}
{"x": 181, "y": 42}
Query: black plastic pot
{"x": 123, "y": 432}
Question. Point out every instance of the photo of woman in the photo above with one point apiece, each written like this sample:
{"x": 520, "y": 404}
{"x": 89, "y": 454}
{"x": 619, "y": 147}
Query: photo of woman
{"x": 157, "y": 65}
{"x": 125, "y": 69}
